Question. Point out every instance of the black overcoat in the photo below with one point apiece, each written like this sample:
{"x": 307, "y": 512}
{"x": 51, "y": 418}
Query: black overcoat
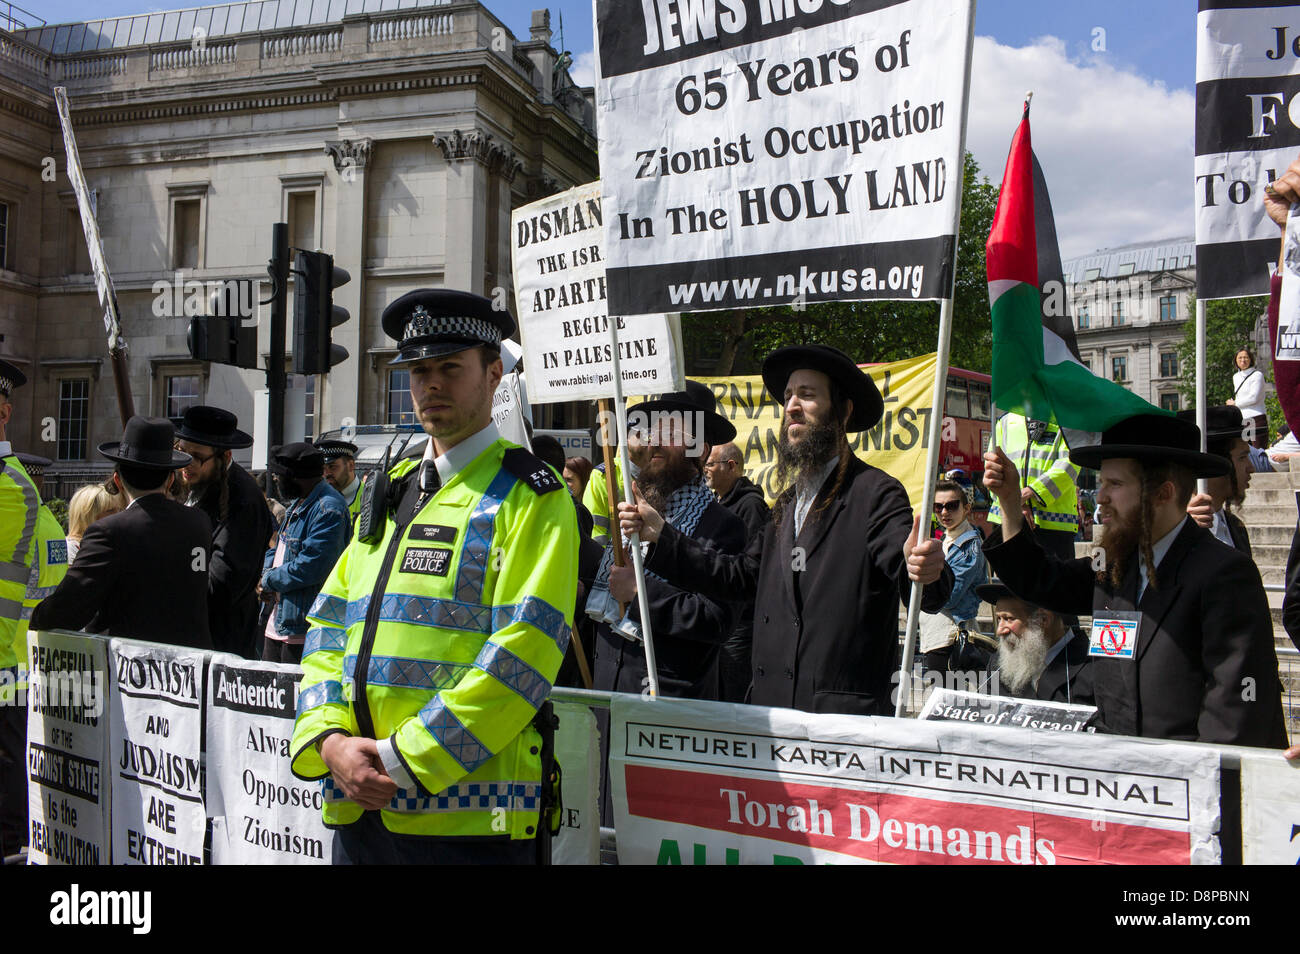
{"x": 826, "y": 614}
{"x": 1204, "y": 668}
{"x": 239, "y": 545}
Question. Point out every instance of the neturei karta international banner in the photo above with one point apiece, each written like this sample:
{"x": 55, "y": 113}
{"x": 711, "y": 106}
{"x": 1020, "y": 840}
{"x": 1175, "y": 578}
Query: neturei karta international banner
{"x": 557, "y": 253}
{"x": 67, "y": 749}
{"x": 897, "y": 445}
{"x": 1247, "y": 133}
{"x": 712, "y": 783}
{"x": 261, "y": 813}
{"x": 762, "y": 152}
{"x": 155, "y": 710}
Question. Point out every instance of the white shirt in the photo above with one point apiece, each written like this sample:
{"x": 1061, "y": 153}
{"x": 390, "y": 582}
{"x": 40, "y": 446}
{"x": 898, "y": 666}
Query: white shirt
{"x": 350, "y": 491}
{"x": 456, "y": 458}
{"x": 803, "y": 500}
{"x": 1248, "y": 387}
{"x": 1220, "y": 528}
{"x": 1158, "y": 551}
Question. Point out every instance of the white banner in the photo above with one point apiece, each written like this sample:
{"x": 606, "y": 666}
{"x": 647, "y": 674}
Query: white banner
{"x": 760, "y": 153}
{"x": 1247, "y": 133}
{"x": 261, "y": 814}
{"x": 507, "y": 411}
{"x": 577, "y": 749}
{"x": 1270, "y": 810}
{"x": 958, "y": 705}
{"x": 67, "y": 749}
{"x": 155, "y": 710}
{"x": 712, "y": 783}
{"x": 559, "y": 273}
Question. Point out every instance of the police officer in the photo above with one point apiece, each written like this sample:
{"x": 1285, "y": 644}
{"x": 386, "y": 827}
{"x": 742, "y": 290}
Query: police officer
{"x": 433, "y": 644}
{"x": 1049, "y": 496}
{"x": 341, "y": 471}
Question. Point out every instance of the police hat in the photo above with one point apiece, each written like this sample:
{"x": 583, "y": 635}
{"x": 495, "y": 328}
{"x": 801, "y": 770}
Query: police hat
{"x": 868, "y": 406}
{"x": 298, "y": 459}
{"x": 433, "y": 323}
{"x": 10, "y": 378}
{"x": 333, "y": 448}
{"x": 35, "y": 466}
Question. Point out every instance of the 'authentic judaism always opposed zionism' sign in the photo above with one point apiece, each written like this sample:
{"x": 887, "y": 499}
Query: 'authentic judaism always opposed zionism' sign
{"x": 897, "y": 444}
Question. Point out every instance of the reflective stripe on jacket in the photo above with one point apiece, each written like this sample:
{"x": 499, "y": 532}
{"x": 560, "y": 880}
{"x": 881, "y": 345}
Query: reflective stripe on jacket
{"x": 20, "y": 507}
{"x": 445, "y": 638}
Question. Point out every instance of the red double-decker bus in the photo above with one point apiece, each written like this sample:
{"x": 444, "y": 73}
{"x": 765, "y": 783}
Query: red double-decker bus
{"x": 969, "y": 404}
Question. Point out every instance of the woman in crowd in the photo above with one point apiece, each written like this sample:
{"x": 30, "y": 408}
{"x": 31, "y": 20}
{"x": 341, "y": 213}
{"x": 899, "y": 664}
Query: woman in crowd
{"x": 577, "y": 471}
{"x": 1248, "y": 395}
{"x": 88, "y": 504}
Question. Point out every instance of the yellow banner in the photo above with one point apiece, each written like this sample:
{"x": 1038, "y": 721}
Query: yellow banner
{"x": 897, "y": 445}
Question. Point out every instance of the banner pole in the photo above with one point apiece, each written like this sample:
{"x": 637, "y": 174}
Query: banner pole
{"x": 620, "y": 415}
{"x": 935, "y": 430}
{"x": 1202, "y": 485}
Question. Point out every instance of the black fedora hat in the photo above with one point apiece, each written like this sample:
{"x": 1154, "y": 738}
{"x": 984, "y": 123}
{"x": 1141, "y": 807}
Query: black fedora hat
{"x": 1223, "y": 422}
{"x": 435, "y": 322}
{"x": 696, "y": 398}
{"x": 147, "y": 442}
{"x": 856, "y": 385}
{"x": 212, "y": 427}
{"x": 992, "y": 592}
{"x": 1156, "y": 438}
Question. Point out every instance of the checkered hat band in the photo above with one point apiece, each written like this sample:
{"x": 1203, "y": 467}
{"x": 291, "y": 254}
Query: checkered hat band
{"x": 6, "y": 386}
{"x": 423, "y": 325}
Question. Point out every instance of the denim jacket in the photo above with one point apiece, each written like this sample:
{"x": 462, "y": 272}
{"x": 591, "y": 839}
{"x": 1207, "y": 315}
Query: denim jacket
{"x": 315, "y": 531}
{"x": 969, "y": 570}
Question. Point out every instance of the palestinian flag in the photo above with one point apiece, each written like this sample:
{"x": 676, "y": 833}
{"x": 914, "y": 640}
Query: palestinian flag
{"x": 1037, "y": 371}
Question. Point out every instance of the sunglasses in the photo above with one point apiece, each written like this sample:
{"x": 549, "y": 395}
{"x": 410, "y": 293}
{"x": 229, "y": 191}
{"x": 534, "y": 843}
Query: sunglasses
{"x": 952, "y": 506}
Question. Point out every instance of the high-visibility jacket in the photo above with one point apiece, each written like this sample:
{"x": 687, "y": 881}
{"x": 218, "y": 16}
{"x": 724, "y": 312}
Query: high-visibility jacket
{"x": 595, "y": 499}
{"x": 48, "y": 571}
{"x": 444, "y": 639}
{"x": 20, "y": 507}
{"x": 1045, "y": 469}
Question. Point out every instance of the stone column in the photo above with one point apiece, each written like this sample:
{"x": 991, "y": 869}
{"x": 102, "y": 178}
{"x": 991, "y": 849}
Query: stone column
{"x": 342, "y": 397}
{"x": 467, "y": 156}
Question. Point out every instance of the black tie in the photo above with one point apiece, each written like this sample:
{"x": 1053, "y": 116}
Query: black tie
{"x": 430, "y": 480}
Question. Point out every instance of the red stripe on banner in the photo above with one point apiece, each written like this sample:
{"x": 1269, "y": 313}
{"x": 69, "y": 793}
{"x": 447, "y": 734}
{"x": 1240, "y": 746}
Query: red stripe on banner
{"x": 893, "y": 828}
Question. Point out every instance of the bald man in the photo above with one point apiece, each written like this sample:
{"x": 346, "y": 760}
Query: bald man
{"x": 725, "y": 473}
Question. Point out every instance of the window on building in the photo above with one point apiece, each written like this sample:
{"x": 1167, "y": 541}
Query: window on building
{"x": 1119, "y": 368}
{"x": 1126, "y": 269}
{"x": 302, "y": 220}
{"x": 401, "y": 410}
{"x": 76, "y": 255}
{"x": 1187, "y": 261}
{"x": 1160, "y": 264}
{"x": 182, "y": 393}
{"x": 74, "y": 418}
{"x": 1084, "y": 318}
{"x": 1168, "y": 308}
{"x": 4, "y": 235}
{"x": 1170, "y": 401}
{"x": 186, "y": 216}
{"x": 1117, "y": 313}
{"x": 1092, "y": 274}
{"x": 1086, "y": 361}
{"x": 1168, "y": 364}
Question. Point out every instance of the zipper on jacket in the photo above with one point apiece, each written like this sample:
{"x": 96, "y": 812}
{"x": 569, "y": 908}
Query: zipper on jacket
{"x": 360, "y": 706}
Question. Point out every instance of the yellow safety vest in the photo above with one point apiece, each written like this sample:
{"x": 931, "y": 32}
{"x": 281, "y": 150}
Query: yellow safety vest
{"x": 20, "y": 507}
{"x": 1045, "y": 469}
{"x": 444, "y": 638}
{"x": 595, "y": 499}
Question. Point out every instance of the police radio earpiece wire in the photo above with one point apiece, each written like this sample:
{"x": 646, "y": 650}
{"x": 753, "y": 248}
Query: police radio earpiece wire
{"x": 940, "y": 385}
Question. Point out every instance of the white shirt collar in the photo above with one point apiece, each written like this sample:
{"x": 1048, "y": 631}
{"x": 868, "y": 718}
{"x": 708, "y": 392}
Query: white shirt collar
{"x": 1158, "y": 551}
{"x": 804, "y": 497}
{"x": 1220, "y": 528}
{"x": 458, "y": 457}
{"x": 1056, "y": 647}
{"x": 6, "y": 449}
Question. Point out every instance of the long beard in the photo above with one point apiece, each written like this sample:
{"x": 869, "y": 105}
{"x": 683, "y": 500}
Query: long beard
{"x": 1124, "y": 536}
{"x": 822, "y": 441}
{"x": 1018, "y": 667}
{"x": 657, "y": 482}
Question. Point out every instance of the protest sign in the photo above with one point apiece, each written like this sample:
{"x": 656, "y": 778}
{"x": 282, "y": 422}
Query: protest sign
{"x": 1270, "y": 810}
{"x": 762, "y": 153}
{"x": 559, "y": 273}
{"x": 956, "y": 705}
{"x": 1288, "y": 303}
{"x": 1247, "y": 131}
{"x": 261, "y": 813}
{"x": 155, "y": 710}
{"x": 67, "y": 749}
{"x": 897, "y": 444}
{"x": 713, "y": 783}
{"x": 577, "y": 749}
{"x": 507, "y": 411}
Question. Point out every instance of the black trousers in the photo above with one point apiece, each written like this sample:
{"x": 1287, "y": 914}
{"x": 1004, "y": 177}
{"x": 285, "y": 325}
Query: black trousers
{"x": 13, "y": 778}
{"x": 368, "y": 842}
{"x": 276, "y": 651}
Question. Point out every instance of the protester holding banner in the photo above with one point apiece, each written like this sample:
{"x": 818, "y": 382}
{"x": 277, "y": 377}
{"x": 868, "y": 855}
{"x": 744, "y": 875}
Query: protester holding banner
{"x": 141, "y": 573}
{"x": 1182, "y": 639}
{"x": 1212, "y": 510}
{"x": 841, "y": 548}
{"x": 241, "y": 523}
{"x": 1039, "y": 656}
{"x": 440, "y": 751}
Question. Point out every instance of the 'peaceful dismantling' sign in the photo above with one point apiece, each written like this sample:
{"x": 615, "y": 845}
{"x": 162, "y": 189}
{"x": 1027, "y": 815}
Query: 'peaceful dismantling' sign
{"x": 1247, "y": 133}
{"x": 763, "y": 152}
{"x": 699, "y": 782}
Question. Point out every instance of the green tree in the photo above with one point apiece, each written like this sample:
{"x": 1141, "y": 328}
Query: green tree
{"x": 1229, "y": 324}
{"x": 870, "y": 330}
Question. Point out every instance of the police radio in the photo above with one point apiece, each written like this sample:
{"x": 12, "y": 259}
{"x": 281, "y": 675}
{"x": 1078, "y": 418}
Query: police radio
{"x": 374, "y": 504}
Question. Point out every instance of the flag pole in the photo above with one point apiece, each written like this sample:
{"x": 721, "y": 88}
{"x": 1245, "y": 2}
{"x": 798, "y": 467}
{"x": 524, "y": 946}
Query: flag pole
{"x": 1202, "y": 485}
{"x": 940, "y": 386}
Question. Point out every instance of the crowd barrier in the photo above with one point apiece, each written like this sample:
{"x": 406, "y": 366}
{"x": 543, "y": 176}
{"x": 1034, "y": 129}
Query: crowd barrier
{"x": 140, "y": 753}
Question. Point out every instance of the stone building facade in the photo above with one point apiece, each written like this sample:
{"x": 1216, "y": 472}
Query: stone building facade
{"x": 398, "y": 141}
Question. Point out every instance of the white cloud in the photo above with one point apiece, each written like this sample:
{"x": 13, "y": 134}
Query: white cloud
{"x": 1116, "y": 147}
{"x": 583, "y": 70}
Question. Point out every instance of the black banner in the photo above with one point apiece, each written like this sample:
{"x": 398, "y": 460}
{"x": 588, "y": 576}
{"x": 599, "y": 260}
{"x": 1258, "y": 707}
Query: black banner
{"x": 1228, "y": 119}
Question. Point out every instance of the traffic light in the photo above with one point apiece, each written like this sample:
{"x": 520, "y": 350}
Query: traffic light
{"x": 221, "y": 336}
{"x": 315, "y": 314}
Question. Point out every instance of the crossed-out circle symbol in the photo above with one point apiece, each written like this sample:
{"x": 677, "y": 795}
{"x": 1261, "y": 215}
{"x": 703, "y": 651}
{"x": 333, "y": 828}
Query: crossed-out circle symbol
{"x": 1116, "y": 643}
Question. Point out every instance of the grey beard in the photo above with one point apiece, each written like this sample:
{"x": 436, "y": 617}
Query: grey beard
{"x": 1019, "y": 667}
